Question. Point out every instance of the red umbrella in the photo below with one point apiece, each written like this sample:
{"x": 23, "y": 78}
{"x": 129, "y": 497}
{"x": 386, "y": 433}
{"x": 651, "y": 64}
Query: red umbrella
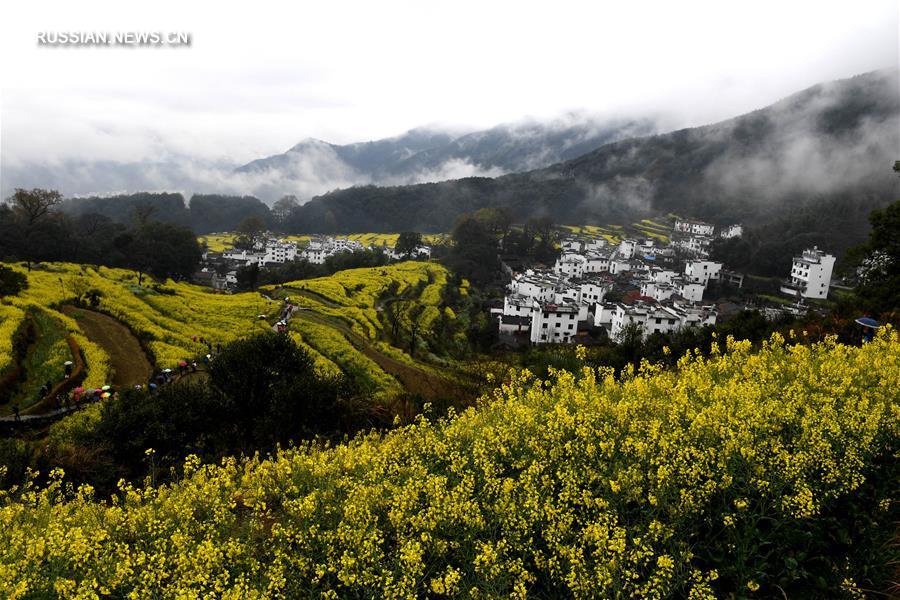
{"x": 79, "y": 390}
{"x": 182, "y": 363}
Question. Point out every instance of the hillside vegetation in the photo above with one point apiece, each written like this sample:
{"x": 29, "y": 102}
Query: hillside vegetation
{"x": 355, "y": 322}
{"x": 748, "y": 473}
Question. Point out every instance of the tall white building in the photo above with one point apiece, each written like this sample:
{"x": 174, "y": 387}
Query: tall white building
{"x": 554, "y": 324}
{"x": 627, "y": 248}
{"x": 702, "y": 271}
{"x": 810, "y": 275}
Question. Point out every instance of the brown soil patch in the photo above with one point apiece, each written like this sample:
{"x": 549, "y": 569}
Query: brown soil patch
{"x": 126, "y": 356}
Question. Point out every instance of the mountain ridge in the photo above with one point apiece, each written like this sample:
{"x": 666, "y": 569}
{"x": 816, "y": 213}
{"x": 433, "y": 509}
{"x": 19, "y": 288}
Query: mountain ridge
{"x": 852, "y": 119}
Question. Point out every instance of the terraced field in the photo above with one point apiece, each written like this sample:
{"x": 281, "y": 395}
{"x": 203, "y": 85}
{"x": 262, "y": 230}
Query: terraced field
{"x": 659, "y": 228}
{"x": 344, "y": 320}
{"x": 344, "y": 326}
{"x": 221, "y": 242}
{"x": 168, "y": 319}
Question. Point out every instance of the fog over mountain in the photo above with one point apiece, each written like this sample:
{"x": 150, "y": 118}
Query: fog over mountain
{"x": 824, "y": 153}
{"x": 313, "y": 166}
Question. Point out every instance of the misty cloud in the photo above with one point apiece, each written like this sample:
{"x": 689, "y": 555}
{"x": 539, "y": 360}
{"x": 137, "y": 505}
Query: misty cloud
{"x": 817, "y": 154}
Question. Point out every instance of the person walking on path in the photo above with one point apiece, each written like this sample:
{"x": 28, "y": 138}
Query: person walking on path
{"x": 16, "y": 412}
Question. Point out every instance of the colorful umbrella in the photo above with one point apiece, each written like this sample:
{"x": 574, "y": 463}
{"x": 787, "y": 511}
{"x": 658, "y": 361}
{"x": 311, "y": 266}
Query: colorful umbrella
{"x": 167, "y": 370}
{"x": 106, "y": 388}
{"x": 79, "y": 390}
{"x": 182, "y": 363}
{"x": 68, "y": 363}
{"x": 105, "y": 395}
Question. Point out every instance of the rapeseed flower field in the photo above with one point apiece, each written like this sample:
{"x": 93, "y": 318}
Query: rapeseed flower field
{"x": 719, "y": 478}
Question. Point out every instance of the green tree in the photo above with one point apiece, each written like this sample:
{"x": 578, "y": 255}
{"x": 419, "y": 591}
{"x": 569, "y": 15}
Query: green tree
{"x": 407, "y": 242}
{"x": 251, "y": 232}
{"x": 878, "y": 262}
{"x": 163, "y": 250}
{"x": 248, "y": 277}
{"x": 474, "y": 253}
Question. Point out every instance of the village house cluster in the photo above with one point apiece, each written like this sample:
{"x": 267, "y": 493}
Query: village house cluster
{"x": 662, "y": 285}
{"x": 219, "y": 269}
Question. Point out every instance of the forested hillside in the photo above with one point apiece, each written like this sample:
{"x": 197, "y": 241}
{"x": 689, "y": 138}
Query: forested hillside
{"x": 808, "y": 169}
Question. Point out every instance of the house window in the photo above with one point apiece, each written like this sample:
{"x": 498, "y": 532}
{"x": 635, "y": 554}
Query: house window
{"x": 570, "y": 326}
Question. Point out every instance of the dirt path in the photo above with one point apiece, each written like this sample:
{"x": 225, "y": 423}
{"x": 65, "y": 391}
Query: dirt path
{"x": 415, "y": 380}
{"x": 125, "y": 353}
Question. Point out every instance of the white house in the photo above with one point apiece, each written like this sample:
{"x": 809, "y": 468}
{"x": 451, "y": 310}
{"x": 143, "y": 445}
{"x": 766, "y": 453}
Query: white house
{"x": 554, "y": 324}
{"x": 517, "y": 305}
{"x": 511, "y": 324}
{"x": 659, "y": 291}
{"x": 619, "y": 265}
{"x": 650, "y": 318}
{"x": 279, "y": 252}
{"x": 702, "y": 271}
{"x": 627, "y": 248}
{"x": 690, "y": 290}
{"x": 538, "y": 285}
{"x": 693, "y": 227}
{"x": 596, "y": 262}
{"x": 570, "y": 245}
{"x": 591, "y": 292}
{"x": 603, "y": 314}
{"x": 810, "y": 275}
{"x": 660, "y": 275}
{"x": 656, "y": 318}
{"x": 315, "y": 252}
{"x": 732, "y": 231}
{"x": 595, "y": 243}
{"x": 244, "y": 257}
{"x": 694, "y": 244}
{"x": 570, "y": 265}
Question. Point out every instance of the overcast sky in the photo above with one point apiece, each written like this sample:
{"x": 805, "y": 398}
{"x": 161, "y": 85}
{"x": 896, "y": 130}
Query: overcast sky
{"x": 260, "y": 76}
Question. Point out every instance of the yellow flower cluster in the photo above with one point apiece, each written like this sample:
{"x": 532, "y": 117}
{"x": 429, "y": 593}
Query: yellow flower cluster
{"x": 349, "y": 302}
{"x": 585, "y": 486}
{"x": 11, "y": 318}
{"x": 221, "y": 242}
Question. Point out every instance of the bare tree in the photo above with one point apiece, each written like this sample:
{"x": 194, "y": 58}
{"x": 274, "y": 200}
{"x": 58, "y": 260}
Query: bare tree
{"x": 34, "y": 204}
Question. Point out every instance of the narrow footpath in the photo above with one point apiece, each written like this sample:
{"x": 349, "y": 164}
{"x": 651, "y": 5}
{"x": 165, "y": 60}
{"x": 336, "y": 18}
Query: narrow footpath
{"x": 128, "y": 360}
